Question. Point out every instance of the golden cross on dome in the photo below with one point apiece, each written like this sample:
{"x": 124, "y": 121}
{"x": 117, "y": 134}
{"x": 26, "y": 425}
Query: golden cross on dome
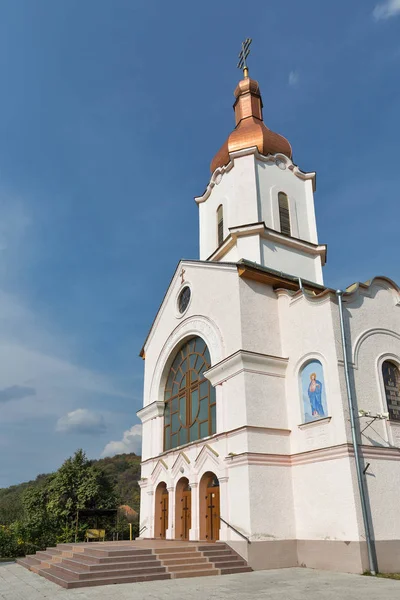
{"x": 243, "y": 54}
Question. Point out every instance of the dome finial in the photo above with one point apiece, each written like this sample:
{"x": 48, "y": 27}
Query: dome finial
{"x": 243, "y": 54}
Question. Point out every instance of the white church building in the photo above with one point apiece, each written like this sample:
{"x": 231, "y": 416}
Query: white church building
{"x": 247, "y": 433}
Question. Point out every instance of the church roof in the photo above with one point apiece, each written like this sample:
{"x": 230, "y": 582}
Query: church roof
{"x": 250, "y": 128}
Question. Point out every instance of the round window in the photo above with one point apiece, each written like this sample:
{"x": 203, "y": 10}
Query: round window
{"x": 183, "y": 300}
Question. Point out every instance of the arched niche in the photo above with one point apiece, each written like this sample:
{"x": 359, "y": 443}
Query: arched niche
{"x": 312, "y": 391}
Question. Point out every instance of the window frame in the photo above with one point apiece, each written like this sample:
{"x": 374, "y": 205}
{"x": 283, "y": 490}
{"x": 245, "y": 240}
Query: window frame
{"x": 220, "y": 225}
{"x": 285, "y": 223}
{"x": 394, "y": 362}
{"x": 179, "y": 399}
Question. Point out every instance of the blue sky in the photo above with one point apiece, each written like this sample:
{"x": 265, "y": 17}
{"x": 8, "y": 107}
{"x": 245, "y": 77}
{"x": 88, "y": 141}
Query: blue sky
{"x": 110, "y": 113}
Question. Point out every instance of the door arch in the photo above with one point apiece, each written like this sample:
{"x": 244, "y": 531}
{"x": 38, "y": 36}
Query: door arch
{"x": 183, "y": 509}
{"x": 209, "y": 507}
{"x": 161, "y": 511}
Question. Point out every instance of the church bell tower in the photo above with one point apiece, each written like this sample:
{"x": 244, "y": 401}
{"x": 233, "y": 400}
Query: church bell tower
{"x": 258, "y": 205}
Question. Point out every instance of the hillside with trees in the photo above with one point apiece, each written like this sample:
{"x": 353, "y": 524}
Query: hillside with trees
{"x": 44, "y": 512}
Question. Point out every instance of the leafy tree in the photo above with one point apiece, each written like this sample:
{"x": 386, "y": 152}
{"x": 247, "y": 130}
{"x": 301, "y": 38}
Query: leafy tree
{"x": 41, "y": 513}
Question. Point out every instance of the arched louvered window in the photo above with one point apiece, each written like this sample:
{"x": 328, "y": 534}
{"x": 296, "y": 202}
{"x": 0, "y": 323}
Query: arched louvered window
{"x": 391, "y": 381}
{"x": 190, "y": 405}
{"x": 284, "y": 215}
{"x": 220, "y": 224}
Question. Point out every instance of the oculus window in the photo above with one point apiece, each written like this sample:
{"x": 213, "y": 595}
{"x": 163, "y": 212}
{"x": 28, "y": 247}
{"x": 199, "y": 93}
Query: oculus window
{"x": 190, "y": 409}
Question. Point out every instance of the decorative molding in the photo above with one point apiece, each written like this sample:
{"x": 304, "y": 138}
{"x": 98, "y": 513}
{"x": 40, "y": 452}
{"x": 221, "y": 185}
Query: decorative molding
{"x": 160, "y": 468}
{"x": 246, "y": 361}
{"x": 312, "y": 456}
{"x": 207, "y": 453}
{"x": 323, "y": 421}
{"x": 151, "y": 411}
{"x": 365, "y": 335}
{"x": 268, "y": 234}
{"x": 218, "y": 436}
{"x": 270, "y": 158}
{"x": 369, "y": 289}
{"x": 195, "y": 325}
{"x": 181, "y": 461}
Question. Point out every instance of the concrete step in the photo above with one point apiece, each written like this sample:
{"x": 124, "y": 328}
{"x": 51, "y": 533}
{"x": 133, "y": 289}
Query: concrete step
{"x": 68, "y": 582}
{"x": 175, "y": 549}
{"x": 229, "y": 563}
{"x": 91, "y": 566}
{"x": 215, "y": 551}
{"x": 204, "y": 573}
{"x": 116, "y": 552}
{"x": 170, "y": 562}
{"x": 178, "y": 555}
{"x": 78, "y": 573}
{"x": 103, "y": 560}
{"x": 190, "y": 567}
{"x": 28, "y": 561}
{"x": 232, "y": 570}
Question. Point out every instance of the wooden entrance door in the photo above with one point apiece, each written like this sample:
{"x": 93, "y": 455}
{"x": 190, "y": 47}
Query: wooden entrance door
{"x": 186, "y": 516}
{"x": 164, "y": 514}
{"x": 212, "y": 514}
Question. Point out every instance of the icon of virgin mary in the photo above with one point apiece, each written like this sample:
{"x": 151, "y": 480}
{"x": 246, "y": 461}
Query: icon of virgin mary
{"x": 315, "y": 396}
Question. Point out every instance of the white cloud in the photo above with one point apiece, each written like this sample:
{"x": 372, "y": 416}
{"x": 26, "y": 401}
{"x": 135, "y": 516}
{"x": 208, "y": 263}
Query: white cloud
{"x": 81, "y": 420}
{"x": 293, "y": 78}
{"x": 131, "y": 442}
{"x": 386, "y": 10}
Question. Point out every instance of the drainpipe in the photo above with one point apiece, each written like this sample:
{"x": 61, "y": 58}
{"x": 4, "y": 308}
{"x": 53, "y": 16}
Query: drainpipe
{"x": 361, "y": 483}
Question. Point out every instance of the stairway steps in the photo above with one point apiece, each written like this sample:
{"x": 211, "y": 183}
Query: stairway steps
{"x": 83, "y": 565}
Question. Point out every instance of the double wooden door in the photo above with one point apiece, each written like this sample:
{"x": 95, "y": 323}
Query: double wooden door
{"x": 186, "y": 514}
{"x": 212, "y": 514}
{"x": 164, "y": 515}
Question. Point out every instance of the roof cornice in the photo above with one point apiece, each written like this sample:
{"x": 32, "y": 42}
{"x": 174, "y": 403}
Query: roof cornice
{"x": 269, "y": 234}
{"x": 271, "y": 158}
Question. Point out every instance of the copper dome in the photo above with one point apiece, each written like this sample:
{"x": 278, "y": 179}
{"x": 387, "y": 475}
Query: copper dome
{"x": 250, "y": 129}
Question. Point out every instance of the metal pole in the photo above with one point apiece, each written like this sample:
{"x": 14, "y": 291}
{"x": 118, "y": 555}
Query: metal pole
{"x": 361, "y": 485}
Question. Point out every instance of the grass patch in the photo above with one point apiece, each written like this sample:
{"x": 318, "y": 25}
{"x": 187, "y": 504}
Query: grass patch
{"x": 385, "y": 575}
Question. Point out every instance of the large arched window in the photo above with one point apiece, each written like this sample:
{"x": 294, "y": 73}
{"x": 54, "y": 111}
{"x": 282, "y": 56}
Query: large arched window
{"x": 391, "y": 381}
{"x": 190, "y": 412}
{"x": 284, "y": 215}
{"x": 220, "y": 224}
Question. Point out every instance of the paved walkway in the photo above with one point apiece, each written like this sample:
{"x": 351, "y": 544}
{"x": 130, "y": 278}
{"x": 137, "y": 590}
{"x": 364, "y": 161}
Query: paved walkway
{"x": 16, "y": 583}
